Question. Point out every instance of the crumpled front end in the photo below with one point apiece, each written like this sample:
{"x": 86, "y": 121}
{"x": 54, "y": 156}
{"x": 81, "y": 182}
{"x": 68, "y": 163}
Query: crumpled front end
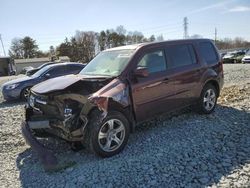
{"x": 65, "y": 113}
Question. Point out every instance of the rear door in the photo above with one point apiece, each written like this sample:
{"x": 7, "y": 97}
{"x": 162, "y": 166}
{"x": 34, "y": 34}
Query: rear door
{"x": 152, "y": 95}
{"x": 186, "y": 72}
{"x": 56, "y": 71}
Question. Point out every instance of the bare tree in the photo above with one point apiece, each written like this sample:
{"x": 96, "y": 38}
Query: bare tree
{"x": 86, "y": 42}
{"x": 16, "y": 49}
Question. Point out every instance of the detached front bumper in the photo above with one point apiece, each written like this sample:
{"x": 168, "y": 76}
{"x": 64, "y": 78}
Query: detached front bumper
{"x": 47, "y": 158}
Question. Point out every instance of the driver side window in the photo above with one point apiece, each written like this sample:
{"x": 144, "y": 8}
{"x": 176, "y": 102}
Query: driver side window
{"x": 154, "y": 61}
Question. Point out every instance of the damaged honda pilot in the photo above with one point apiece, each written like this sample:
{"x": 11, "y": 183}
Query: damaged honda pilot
{"x": 121, "y": 87}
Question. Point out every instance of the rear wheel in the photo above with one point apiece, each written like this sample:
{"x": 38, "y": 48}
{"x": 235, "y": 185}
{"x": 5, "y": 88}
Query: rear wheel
{"x": 109, "y": 136}
{"x": 207, "y": 100}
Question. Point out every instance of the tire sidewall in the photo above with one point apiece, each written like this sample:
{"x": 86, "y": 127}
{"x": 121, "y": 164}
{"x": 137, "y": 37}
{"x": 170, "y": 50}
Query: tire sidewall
{"x": 201, "y": 103}
{"x": 22, "y": 93}
{"x": 95, "y": 128}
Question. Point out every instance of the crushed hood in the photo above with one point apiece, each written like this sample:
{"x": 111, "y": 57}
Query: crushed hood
{"x": 60, "y": 83}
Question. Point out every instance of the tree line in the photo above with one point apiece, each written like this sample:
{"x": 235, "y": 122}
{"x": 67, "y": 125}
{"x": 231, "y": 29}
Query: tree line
{"x": 84, "y": 45}
{"x": 229, "y": 43}
{"x": 22, "y": 48}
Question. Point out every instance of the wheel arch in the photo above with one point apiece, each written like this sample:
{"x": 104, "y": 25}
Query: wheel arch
{"x": 115, "y": 106}
{"x": 214, "y": 83}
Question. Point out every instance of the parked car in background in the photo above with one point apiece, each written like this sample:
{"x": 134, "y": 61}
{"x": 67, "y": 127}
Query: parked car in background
{"x": 246, "y": 58}
{"x": 121, "y": 87}
{"x": 34, "y": 70}
{"x": 222, "y": 54}
{"x": 19, "y": 88}
{"x": 233, "y": 57}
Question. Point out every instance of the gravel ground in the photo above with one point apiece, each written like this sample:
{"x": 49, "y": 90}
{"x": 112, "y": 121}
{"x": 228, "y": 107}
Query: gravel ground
{"x": 183, "y": 150}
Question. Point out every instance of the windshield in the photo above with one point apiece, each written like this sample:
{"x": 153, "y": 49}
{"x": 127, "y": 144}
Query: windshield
{"x": 41, "y": 71}
{"x": 108, "y": 63}
{"x": 248, "y": 52}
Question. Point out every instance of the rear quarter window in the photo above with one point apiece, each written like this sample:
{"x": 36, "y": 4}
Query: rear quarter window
{"x": 73, "y": 69}
{"x": 208, "y": 53}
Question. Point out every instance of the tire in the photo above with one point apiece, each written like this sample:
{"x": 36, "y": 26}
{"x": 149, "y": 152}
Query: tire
{"x": 24, "y": 93}
{"x": 208, "y": 99}
{"x": 109, "y": 136}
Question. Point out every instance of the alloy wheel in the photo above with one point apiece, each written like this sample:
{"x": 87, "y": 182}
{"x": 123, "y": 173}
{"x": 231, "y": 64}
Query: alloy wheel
{"x": 209, "y": 99}
{"x": 111, "y": 135}
{"x": 26, "y": 93}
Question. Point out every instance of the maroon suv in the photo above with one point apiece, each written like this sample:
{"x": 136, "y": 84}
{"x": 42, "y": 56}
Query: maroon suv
{"x": 121, "y": 87}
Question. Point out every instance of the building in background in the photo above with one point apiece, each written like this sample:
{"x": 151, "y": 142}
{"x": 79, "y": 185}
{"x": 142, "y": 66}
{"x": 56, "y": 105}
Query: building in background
{"x": 36, "y": 62}
{"x": 7, "y": 66}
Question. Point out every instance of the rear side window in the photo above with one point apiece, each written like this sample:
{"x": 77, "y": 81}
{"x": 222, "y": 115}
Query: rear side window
{"x": 181, "y": 55}
{"x": 73, "y": 69}
{"x": 153, "y": 61}
{"x": 208, "y": 52}
{"x": 56, "y": 71}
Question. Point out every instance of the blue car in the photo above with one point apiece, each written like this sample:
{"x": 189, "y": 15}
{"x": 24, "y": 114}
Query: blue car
{"x": 19, "y": 88}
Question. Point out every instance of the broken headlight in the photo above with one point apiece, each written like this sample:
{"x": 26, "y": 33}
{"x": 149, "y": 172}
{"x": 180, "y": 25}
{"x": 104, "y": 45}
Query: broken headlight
{"x": 67, "y": 112}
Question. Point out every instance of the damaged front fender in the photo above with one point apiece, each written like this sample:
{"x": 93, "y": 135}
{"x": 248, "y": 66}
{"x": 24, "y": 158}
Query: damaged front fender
{"x": 116, "y": 91}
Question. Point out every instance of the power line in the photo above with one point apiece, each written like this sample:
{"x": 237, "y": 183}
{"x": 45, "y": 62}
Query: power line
{"x": 185, "y": 25}
{"x": 215, "y": 35}
{"x": 2, "y": 45}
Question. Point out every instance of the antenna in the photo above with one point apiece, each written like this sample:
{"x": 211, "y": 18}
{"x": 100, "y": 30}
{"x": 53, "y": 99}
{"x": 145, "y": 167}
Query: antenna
{"x": 185, "y": 25}
{"x": 215, "y": 35}
{"x": 2, "y": 45}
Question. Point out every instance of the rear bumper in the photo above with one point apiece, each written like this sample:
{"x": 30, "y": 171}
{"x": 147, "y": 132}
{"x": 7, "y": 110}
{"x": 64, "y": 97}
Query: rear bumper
{"x": 47, "y": 158}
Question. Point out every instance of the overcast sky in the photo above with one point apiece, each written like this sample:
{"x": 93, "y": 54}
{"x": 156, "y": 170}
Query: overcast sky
{"x": 50, "y": 21}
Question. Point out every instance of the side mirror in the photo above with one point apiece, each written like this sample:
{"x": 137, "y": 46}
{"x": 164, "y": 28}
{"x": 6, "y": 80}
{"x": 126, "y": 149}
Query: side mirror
{"x": 141, "y": 72}
{"x": 47, "y": 76}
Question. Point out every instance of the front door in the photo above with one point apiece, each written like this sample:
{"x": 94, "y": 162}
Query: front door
{"x": 152, "y": 95}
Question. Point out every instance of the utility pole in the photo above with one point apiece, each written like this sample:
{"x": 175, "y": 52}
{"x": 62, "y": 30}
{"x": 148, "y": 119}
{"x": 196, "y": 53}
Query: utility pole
{"x": 2, "y": 45}
{"x": 215, "y": 35}
{"x": 185, "y": 25}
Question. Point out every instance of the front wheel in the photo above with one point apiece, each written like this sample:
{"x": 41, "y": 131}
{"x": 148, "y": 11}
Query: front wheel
{"x": 207, "y": 100}
{"x": 25, "y": 93}
{"x": 107, "y": 137}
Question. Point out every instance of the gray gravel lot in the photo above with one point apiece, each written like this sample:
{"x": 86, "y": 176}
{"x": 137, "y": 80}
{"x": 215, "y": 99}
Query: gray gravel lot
{"x": 182, "y": 150}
